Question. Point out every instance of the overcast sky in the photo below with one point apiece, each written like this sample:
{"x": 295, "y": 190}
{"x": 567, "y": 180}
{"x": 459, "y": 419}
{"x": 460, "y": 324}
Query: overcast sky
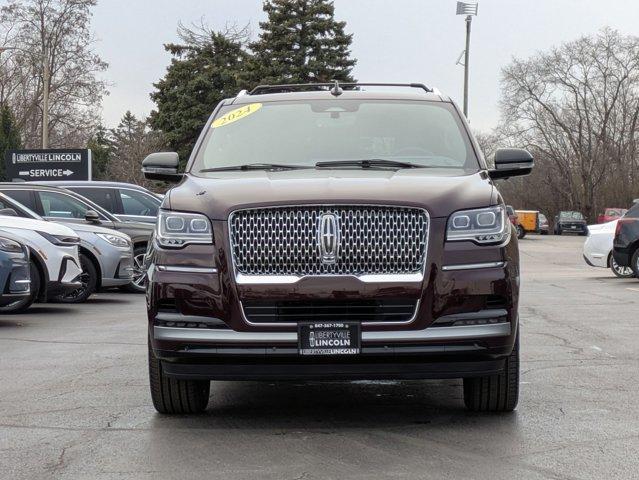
{"x": 394, "y": 41}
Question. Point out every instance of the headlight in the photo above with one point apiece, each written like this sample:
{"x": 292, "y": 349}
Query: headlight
{"x": 11, "y": 246}
{"x": 483, "y": 225}
{"x": 115, "y": 240}
{"x": 61, "y": 240}
{"x": 176, "y": 229}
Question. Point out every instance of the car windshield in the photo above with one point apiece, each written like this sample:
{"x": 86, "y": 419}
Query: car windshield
{"x": 571, "y": 216}
{"x": 304, "y": 133}
{"x": 615, "y": 212}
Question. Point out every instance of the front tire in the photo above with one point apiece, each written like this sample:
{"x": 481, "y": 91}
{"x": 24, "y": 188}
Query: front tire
{"x": 558, "y": 231}
{"x": 634, "y": 263}
{"x": 495, "y": 393}
{"x": 618, "y": 270}
{"x": 173, "y": 396}
{"x": 521, "y": 233}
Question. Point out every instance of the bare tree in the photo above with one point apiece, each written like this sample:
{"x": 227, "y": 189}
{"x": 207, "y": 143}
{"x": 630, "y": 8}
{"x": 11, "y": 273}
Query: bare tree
{"x": 576, "y": 108}
{"x": 51, "y": 55}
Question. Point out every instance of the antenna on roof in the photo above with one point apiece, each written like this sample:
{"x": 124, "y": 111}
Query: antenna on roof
{"x": 336, "y": 91}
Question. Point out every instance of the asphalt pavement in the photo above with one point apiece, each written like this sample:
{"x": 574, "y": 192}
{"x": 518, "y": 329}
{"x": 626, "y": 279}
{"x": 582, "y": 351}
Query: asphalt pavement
{"x": 74, "y": 399}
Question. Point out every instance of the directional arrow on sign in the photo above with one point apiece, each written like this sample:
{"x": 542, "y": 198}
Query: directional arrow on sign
{"x": 67, "y": 172}
{"x": 24, "y": 172}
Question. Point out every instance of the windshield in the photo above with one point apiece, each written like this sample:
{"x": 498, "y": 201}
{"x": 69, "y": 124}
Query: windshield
{"x": 303, "y": 133}
{"x": 571, "y": 216}
{"x": 615, "y": 212}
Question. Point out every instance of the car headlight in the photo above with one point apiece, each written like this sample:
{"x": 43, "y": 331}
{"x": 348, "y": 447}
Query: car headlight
{"x": 482, "y": 225}
{"x": 115, "y": 240}
{"x": 61, "y": 240}
{"x": 177, "y": 229}
{"x": 10, "y": 246}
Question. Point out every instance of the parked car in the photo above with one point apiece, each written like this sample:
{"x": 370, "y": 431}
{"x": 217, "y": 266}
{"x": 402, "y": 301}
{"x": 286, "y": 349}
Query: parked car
{"x": 570, "y": 222}
{"x": 53, "y": 251}
{"x": 544, "y": 228}
{"x": 626, "y": 241}
{"x": 597, "y": 249}
{"x": 611, "y": 214}
{"x": 58, "y": 204}
{"x": 380, "y": 249}
{"x": 514, "y": 219}
{"x": 15, "y": 275}
{"x": 126, "y": 201}
{"x": 106, "y": 256}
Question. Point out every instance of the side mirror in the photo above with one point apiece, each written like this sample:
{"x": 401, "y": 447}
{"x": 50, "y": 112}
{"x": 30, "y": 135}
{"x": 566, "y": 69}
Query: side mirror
{"x": 162, "y": 166}
{"x": 8, "y": 212}
{"x": 511, "y": 162}
{"x": 92, "y": 216}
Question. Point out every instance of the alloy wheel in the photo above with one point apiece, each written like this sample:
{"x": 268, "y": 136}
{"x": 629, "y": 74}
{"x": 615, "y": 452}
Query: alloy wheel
{"x": 139, "y": 274}
{"x": 619, "y": 270}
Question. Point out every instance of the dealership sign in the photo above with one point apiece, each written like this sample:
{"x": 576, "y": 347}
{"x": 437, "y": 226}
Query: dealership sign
{"x": 62, "y": 164}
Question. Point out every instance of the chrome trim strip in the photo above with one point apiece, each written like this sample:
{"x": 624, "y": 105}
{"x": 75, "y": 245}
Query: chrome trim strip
{"x": 470, "y": 332}
{"x": 243, "y": 279}
{"x": 473, "y": 266}
{"x": 288, "y": 324}
{"x": 181, "y": 269}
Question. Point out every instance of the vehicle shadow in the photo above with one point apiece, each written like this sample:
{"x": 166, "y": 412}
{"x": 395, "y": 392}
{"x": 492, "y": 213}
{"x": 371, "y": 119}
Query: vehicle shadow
{"x": 328, "y": 407}
{"x": 40, "y": 309}
{"x": 101, "y": 299}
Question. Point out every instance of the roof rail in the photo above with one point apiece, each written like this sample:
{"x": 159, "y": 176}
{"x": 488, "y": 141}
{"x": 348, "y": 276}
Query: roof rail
{"x": 293, "y": 87}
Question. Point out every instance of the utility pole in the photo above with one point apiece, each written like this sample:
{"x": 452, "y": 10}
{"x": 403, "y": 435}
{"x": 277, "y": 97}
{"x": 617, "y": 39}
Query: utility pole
{"x": 46, "y": 80}
{"x": 469, "y": 21}
{"x": 468, "y": 9}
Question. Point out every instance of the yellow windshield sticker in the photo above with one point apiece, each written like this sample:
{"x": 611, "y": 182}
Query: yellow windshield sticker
{"x": 235, "y": 115}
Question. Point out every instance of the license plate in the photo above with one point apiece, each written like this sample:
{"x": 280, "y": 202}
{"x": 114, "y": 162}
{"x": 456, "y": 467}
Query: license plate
{"x": 329, "y": 338}
{"x": 573, "y": 227}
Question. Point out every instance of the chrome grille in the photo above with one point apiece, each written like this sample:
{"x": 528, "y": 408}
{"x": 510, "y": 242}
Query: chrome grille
{"x": 373, "y": 240}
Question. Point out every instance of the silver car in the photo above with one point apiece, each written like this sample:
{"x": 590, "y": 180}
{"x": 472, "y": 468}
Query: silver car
{"x": 106, "y": 256}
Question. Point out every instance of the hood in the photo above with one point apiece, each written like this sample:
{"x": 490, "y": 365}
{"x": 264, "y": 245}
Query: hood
{"x": 31, "y": 224}
{"x": 86, "y": 227}
{"x": 141, "y": 226}
{"x": 14, "y": 236}
{"x": 572, "y": 220}
{"x": 607, "y": 227}
{"x": 440, "y": 191}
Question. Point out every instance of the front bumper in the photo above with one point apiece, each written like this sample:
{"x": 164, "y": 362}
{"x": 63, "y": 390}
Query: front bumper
{"x": 15, "y": 277}
{"x": 465, "y": 322}
{"x": 573, "y": 228}
{"x": 68, "y": 278}
{"x": 121, "y": 272}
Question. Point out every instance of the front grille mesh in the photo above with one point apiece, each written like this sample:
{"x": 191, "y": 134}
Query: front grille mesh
{"x": 372, "y": 240}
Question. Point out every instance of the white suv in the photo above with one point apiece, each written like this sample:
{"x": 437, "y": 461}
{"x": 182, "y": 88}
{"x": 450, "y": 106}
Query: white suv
{"x": 54, "y": 252}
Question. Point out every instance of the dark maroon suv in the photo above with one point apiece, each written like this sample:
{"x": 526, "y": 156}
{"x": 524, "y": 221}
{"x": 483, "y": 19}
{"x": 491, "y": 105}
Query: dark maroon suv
{"x": 334, "y": 232}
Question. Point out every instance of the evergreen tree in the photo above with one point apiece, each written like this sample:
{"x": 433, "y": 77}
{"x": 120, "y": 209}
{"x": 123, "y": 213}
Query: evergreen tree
{"x": 132, "y": 141}
{"x": 300, "y": 42}
{"x": 204, "y": 71}
{"x": 101, "y": 152}
{"x": 9, "y": 135}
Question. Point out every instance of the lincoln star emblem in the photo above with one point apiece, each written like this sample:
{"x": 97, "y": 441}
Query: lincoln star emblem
{"x": 328, "y": 238}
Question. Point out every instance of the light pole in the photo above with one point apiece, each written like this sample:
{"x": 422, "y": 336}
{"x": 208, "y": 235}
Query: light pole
{"x": 470, "y": 10}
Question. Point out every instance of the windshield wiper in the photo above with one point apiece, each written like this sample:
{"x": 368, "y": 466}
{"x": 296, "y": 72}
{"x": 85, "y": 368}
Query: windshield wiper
{"x": 369, "y": 163}
{"x": 254, "y": 166}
